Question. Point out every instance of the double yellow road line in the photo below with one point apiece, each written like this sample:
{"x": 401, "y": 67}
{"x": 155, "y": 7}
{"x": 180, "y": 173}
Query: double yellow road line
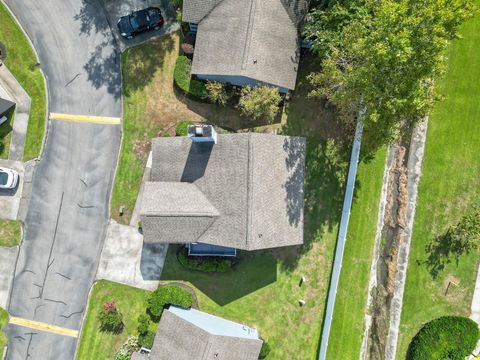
{"x": 86, "y": 118}
{"x": 31, "y": 324}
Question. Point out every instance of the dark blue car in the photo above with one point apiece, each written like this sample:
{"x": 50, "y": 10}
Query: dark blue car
{"x": 139, "y": 21}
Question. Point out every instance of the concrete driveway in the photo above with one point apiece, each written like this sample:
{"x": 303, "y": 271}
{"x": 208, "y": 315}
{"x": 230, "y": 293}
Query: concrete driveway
{"x": 10, "y": 199}
{"x": 68, "y": 211}
{"x": 115, "y": 9}
{"x": 127, "y": 260}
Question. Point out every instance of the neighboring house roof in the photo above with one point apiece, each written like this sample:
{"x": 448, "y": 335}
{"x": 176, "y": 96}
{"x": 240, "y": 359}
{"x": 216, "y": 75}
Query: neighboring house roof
{"x": 257, "y": 39}
{"x": 5, "y": 105}
{"x": 246, "y": 191}
{"x": 195, "y": 335}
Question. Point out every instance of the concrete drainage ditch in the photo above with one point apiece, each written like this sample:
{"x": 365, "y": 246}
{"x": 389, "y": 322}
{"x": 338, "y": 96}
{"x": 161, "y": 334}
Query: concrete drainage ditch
{"x": 388, "y": 273}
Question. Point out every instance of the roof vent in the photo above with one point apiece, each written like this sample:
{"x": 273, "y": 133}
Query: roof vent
{"x": 202, "y": 133}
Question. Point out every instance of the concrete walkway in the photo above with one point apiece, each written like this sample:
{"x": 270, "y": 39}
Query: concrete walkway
{"x": 12, "y": 90}
{"x": 127, "y": 260}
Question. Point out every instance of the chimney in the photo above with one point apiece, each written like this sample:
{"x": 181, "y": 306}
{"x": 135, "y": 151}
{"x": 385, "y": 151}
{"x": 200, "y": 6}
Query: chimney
{"x": 202, "y": 133}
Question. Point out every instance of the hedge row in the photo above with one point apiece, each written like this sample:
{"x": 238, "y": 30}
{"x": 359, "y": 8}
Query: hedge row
{"x": 448, "y": 337}
{"x": 204, "y": 264}
{"x": 168, "y": 295}
{"x": 183, "y": 78}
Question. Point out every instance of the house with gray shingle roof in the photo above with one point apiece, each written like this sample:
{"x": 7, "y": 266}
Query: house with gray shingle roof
{"x": 242, "y": 191}
{"x": 247, "y": 42}
{"x": 189, "y": 334}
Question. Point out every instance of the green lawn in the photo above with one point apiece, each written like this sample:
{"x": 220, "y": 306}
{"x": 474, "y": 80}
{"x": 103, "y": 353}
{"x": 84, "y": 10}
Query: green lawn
{"x": 449, "y": 186}
{"x": 3, "y": 336}
{"x": 98, "y": 345}
{"x": 10, "y": 232}
{"x": 21, "y": 61}
{"x": 349, "y": 313}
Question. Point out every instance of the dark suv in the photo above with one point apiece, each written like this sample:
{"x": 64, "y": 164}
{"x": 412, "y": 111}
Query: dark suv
{"x": 139, "y": 21}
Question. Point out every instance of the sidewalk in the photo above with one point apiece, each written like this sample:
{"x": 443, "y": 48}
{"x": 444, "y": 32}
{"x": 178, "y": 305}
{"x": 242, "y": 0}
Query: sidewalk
{"x": 13, "y": 91}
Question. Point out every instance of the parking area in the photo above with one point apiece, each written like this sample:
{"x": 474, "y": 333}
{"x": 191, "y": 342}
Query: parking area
{"x": 115, "y": 9}
{"x": 127, "y": 260}
{"x": 10, "y": 199}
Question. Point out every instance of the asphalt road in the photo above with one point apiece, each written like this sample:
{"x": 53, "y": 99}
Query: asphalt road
{"x": 67, "y": 216}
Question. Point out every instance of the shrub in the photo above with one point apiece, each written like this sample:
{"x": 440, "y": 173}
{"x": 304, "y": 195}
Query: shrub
{"x": 448, "y": 337}
{"x": 143, "y": 324}
{"x": 110, "y": 318}
{"x": 122, "y": 354}
{"x": 125, "y": 352}
{"x": 146, "y": 339}
{"x": 217, "y": 92}
{"x": 182, "y": 128}
{"x": 259, "y": 102}
{"x": 168, "y": 295}
{"x": 264, "y": 351}
{"x": 183, "y": 78}
{"x": 205, "y": 264}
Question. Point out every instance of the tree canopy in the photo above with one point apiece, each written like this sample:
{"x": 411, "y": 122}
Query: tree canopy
{"x": 459, "y": 239}
{"x": 259, "y": 102}
{"x": 448, "y": 337}
{"x": 382, "y": 56}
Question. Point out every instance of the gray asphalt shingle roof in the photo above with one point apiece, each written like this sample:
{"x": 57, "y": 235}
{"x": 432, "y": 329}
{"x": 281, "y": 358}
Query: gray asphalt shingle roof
{"x": 247, "y": 191}
{"x": 180, "y": 339}
{"x": 257, "y": 39}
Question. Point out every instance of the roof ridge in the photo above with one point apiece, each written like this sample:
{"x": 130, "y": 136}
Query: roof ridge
{"x": 249, "y": 191}
{"x": 249, "y": 34}
{"x": 209, "y": 12}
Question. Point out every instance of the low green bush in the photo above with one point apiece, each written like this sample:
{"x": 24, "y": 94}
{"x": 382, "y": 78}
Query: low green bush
{"x": 143, "y": 324}
{"x": 448, "y": 337}
{"x": 205, "y": 264}
{"x": 146, "y": 339}
{"x": 182, "y": 128}
{"x": 127, "y": 349}
{"x": 217, "y": 92}
{"x": 183, "y": 78}
{"x": 168, "y": 295}
{"x": 110, "y": 318}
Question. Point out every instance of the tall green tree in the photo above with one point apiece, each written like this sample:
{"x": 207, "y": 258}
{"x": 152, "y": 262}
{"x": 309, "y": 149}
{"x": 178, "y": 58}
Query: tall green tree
{"x": 459, "y": 239}
{"x": 382, "y": 56}
{"x": 259, "y": 102}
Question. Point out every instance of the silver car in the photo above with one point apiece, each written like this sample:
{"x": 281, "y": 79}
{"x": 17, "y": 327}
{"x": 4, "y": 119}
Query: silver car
{"x": 8, "y": 178}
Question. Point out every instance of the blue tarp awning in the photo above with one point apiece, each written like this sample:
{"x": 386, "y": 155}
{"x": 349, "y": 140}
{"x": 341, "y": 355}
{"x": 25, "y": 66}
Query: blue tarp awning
{"x": 199, "y": 249}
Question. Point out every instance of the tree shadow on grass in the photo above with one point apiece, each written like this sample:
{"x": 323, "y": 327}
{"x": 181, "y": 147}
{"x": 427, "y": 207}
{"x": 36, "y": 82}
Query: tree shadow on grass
{"x": 326, "y": 161}
{"x": 140, "y": 63}
{"x": 255, "y": 270}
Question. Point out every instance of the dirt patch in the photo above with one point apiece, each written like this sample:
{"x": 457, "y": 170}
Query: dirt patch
{"x": 141, "y": 149}
{"x": 394, "y": 222}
